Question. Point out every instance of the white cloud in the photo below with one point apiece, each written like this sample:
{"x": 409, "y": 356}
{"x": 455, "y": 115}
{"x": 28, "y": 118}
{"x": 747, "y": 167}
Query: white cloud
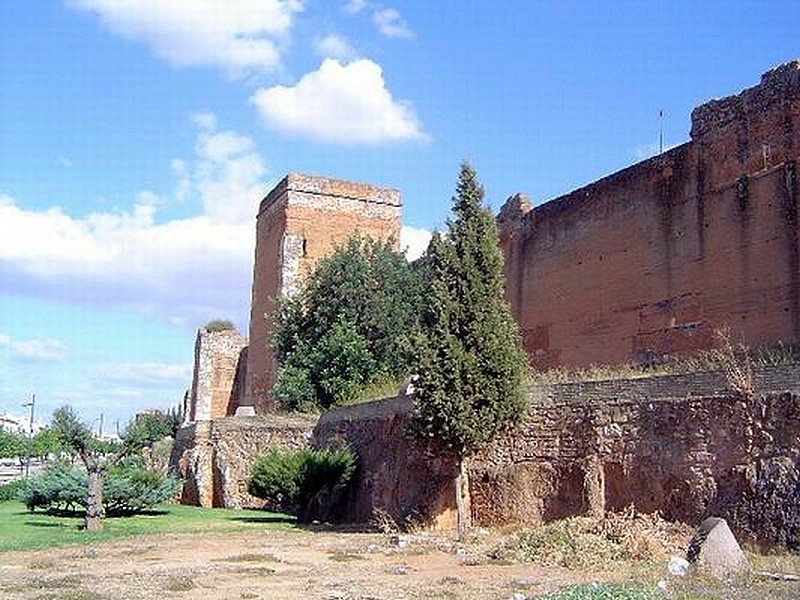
{"x": 334, "y": 46}
{"x": 239, "y": 36}
{"x": 64, "y": 162}
{"x": 414, "y": 241}
{"x": 391, "y": 24}
{"x": 228, "y": 176}
{"x": 339, "y": 103}
{"x": 143, "y": 372}
{"x": 354, "y": 7}
{"x": 41, "y": 349}
{"x": 186, "y": 270}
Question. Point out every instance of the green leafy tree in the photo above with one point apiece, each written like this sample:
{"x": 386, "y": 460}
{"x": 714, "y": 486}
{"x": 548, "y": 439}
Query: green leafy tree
{"x": 46, "y": 443}
{"x": 352, "y": 323}
{"x": 147, "y": 428}
{"x": 12, "y": 444}
{"x": 76, "y": 436}
{"x": 472, "y": 367}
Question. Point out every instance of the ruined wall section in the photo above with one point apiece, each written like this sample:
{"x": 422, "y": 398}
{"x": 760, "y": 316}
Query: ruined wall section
{"x": 653, "y": 259}
{"x": 684, "y": 445}
{"x": 300, "y": 221}
{"x": 217, "y": 364}
{"x": 396, "y": 479}
{"x": 215, "y": 458}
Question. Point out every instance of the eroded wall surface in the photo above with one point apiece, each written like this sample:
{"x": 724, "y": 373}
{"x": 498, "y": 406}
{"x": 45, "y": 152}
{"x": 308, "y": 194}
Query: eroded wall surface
{"x": 654, "y": 258}
{"x": 215, "y": 458}
{"x": 300, "y": 221}
{"x": 684, "y": 445}
{"x": 217, "y": 365}
{"x": 397, "y": 482}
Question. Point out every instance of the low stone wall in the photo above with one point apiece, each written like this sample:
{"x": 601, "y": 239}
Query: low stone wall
{"x": 396, "y": 480}
{"x": 214, "y": 458}
{"x": 683, "y": 445}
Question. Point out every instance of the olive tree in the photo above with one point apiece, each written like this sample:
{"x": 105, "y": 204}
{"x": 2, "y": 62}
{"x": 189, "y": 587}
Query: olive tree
{"x": 98, "y": 456}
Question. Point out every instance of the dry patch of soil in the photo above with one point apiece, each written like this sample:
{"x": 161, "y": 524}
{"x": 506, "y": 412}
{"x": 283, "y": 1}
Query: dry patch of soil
{"x": 271, "y": 565}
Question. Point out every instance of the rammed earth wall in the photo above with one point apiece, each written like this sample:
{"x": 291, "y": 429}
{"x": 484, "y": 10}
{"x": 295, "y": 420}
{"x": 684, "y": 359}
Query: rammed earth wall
{"x": 683, "y": 445}
{"x": 652, "y": 259}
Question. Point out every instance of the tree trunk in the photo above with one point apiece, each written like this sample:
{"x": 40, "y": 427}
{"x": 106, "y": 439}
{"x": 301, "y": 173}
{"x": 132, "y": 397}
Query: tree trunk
{"x": 94, "y": 501}
{"x": 463, "y": 508}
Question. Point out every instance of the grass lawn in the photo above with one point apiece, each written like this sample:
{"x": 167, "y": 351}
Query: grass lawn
{"x": 21, "y": 530}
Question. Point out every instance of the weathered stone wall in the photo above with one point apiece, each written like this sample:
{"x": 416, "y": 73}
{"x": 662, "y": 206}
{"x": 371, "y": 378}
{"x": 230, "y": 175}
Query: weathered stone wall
{"x": 684, "y": 445}
{"x": 396, "y": 479}
{"x": 216, "y": 366}
{"x": 215, "y": 458}
{"x": 653, "y": 259}
{"x": 300, "y": 221}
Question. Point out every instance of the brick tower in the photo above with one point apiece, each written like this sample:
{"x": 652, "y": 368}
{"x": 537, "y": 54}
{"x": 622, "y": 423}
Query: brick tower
{"x": 300, "y": 221}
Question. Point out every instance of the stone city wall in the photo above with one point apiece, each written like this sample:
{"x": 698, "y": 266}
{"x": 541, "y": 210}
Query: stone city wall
{"x": 396, "y": 480}
{"x": 651, "y": 260}
{"x": 215, "y": 458}
{"x": 686, "y": 446}
{"x": 217, "y": 366}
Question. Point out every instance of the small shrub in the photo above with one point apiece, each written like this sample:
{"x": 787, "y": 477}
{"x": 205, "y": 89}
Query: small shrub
{"x": 60, "y": 487}
{"x": 130, "y": 488}
{"x": 590, "y": 542}
{"x": 11, "y": 490}
{"x": 217, "y": 325}
{"x": 302, "y": 482}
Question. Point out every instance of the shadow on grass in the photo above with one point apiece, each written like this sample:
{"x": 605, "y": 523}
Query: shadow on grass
{"x": 52, "y": 525}
{"x": 285, "y": 519}
{"x": 155, "y": 512}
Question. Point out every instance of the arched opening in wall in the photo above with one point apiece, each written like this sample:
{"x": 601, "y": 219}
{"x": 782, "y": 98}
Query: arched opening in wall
{"x": 616, "y": 491}
{"x": 570, "y": 497}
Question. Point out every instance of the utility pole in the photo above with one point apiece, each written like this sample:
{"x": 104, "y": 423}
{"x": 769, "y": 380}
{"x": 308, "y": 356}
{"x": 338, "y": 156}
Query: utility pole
{"x": 100, "y": 430}
{"x": 32, "y": 406}
{"x": 661, "y": 131}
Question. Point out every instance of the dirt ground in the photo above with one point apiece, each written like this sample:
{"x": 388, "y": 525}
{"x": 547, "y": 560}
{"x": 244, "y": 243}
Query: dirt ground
{"x": 273, "y": 565}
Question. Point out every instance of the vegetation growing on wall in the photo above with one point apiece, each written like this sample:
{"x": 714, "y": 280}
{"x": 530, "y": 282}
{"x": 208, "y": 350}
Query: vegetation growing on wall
{"x": 472, "y": 367}
{"x": 217, "y": 325}
{"x": 352, "y": 324}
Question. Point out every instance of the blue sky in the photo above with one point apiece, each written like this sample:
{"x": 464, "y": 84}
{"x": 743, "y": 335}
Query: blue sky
{"x": 137, "y": 136}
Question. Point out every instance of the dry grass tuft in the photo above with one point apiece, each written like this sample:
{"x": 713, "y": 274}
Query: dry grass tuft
{"x": 595, "y": 543}
{"x": 734, "y": 359}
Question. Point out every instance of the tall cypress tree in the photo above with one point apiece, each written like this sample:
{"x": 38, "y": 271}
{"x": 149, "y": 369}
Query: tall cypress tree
{"x": 472, "y": 367}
